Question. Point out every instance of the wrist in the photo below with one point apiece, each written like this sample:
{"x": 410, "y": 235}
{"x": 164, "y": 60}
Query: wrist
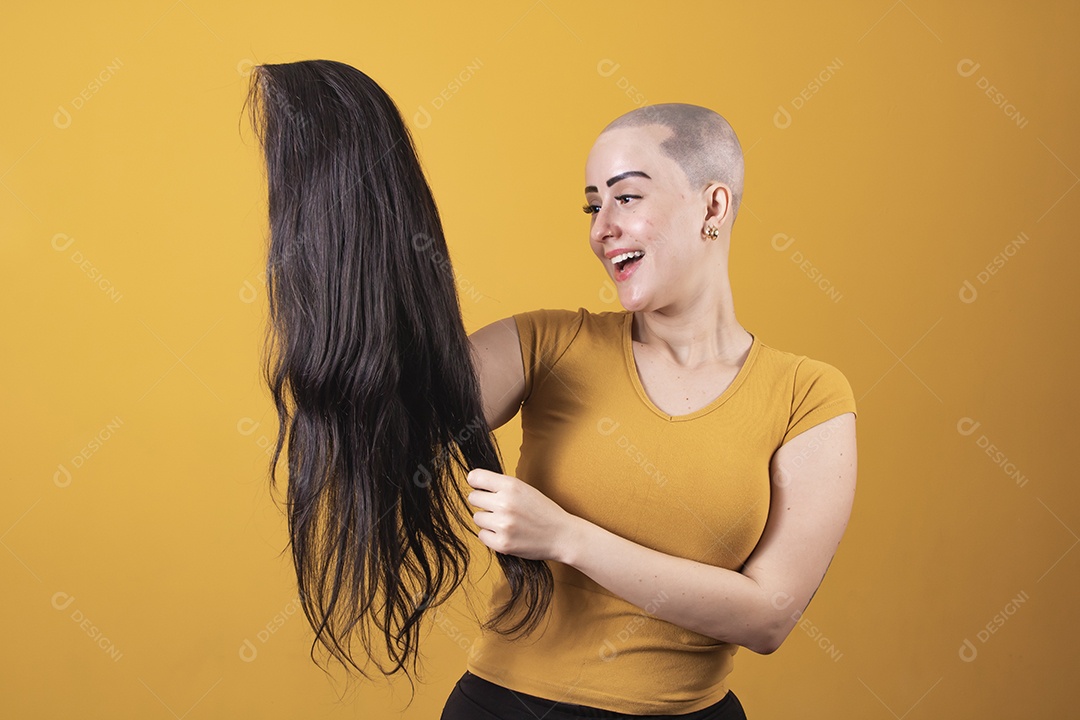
{"x": 574, "y": 537}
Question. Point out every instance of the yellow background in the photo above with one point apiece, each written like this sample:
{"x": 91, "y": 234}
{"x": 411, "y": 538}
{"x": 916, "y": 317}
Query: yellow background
{"x": 133, "y": 211}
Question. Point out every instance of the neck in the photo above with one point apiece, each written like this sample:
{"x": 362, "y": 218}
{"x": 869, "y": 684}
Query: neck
{"x": 699, "y": 332}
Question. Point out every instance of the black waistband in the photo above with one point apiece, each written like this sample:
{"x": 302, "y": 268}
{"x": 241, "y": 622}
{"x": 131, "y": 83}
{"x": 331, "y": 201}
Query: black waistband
{"x": 504, "y": 702}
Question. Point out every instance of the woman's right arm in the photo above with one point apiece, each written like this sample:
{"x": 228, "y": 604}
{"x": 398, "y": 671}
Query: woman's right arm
{"x": 500, "y": 367}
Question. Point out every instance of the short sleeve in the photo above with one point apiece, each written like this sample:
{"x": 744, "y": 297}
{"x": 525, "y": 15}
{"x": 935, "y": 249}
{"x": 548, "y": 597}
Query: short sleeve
{"x": 821, "y": 392}
{"x": 545, "y": 335}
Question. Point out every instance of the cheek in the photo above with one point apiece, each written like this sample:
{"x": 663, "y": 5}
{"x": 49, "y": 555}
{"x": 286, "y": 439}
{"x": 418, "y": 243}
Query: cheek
{"x": 662, "y": 232}
{"x": 643, "y": 226}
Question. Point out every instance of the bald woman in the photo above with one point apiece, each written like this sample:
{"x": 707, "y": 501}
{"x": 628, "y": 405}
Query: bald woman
{"x": 687, "y": 483}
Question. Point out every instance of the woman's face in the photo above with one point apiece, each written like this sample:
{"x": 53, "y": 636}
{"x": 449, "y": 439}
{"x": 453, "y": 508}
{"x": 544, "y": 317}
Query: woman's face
{"x": 640, "y": 200}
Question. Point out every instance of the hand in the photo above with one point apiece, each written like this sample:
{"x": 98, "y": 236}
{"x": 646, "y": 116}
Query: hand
{"x": 516, "y": 518}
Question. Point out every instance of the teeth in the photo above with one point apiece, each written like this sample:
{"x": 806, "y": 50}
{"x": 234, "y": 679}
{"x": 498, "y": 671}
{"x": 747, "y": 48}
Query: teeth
{"x": 626, "y": 256}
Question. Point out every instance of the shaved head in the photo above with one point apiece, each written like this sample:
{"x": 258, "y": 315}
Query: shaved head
{"x": 702, "y": 143}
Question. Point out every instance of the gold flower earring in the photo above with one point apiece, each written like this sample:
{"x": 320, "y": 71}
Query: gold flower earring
{"x": 711, "y": 232}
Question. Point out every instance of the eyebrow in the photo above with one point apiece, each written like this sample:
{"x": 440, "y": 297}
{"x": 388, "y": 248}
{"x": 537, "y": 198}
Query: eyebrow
{"x": 617, "y": 178}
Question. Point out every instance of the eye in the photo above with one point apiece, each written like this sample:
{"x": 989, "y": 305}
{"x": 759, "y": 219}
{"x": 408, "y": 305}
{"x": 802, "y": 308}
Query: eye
{"x": 622, "y": 199}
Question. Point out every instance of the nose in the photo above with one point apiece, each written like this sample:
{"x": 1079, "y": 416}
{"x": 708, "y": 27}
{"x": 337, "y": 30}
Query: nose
{"x": 603, "y": 226}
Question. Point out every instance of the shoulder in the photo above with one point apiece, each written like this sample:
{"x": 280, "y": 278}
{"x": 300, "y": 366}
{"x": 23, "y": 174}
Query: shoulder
{"x": 546, "y": 335}
{"x": 819, "y": 377}
{"x": 565, "y": 316}
{"x": 547, "y": 315}
{"x": 801, "y": 369}
{"x": 811, "y": 390}
{"x": 561, "y": 321}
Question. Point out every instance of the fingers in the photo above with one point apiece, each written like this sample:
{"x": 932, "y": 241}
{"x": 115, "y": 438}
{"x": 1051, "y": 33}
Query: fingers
{"x": 476, "y": 518}
{"x": 481, "y": 499}
{"x": 479, "y": 478}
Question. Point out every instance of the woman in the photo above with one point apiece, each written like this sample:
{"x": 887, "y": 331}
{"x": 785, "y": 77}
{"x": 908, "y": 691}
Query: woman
{"x": 690, "y": 482}
{"x": 685, "y": 483}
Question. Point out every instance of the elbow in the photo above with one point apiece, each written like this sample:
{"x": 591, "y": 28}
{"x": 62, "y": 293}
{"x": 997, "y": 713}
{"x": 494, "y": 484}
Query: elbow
{"x": 765, "y": 645}
{"x": 770, "y": 636}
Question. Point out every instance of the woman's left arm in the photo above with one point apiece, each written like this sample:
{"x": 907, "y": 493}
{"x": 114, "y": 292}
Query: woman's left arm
{"x": 813, "y": 489}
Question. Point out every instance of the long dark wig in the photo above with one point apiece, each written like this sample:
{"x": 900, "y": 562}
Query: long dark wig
{"x": 370, "y": 369}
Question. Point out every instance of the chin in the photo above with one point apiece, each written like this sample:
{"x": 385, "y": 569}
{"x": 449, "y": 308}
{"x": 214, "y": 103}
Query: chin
{"x": 635, "y": 302}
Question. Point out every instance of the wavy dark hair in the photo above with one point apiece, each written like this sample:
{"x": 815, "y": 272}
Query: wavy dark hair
{"x": 370, "y": 370}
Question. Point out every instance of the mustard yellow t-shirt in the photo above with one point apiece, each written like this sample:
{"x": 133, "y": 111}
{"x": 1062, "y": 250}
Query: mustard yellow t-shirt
{"x": 694, "y": 485}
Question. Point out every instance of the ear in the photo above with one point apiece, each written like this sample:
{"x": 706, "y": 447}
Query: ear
{"x": 717, "y": 204}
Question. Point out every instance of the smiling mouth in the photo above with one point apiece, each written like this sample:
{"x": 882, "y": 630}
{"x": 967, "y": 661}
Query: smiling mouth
{"x": 625, "y": 269}
{"x": 626, "y": 263}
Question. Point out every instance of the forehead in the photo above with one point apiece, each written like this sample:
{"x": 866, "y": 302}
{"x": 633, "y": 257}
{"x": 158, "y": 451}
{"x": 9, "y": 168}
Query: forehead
{"x": 629, "y": 148}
